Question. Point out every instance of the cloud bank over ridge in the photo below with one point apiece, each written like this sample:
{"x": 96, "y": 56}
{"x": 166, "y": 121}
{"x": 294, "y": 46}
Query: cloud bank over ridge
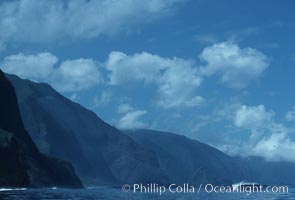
{"x": 176, "y": 79}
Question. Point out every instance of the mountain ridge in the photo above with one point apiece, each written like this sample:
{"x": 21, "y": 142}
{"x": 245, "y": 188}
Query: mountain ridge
{"x": 111, "y": 157}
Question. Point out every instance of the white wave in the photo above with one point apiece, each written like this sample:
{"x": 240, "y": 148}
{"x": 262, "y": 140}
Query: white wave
{"x": 10, "y": 189}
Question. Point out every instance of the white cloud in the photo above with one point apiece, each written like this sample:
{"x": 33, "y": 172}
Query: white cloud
{"x": 277, "y": 147}
{"x": 268, "y": 139}
{"x": 75, "y": 75}
{"x": 45, "y": 21}
{"x": 177, "y": 84}
{"x": 253, "y": 117}
{"x": 176, "y": 79}
{"x": 35, "y": 67}
{"x": 290, "y": 115}
{"x": 69, "y": 76}
{"x": 143, "y": 67}
{"x": 131, "y": 118}
{"x": 237, "y": 67}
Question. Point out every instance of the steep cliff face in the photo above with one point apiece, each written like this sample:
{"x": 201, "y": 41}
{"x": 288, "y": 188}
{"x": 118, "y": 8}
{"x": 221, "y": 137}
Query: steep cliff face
{"x": 189, "y": 161}
{"x": 21, "y": 163}
{"x": 100, "y": 153}
{"x": 10, "y": 119}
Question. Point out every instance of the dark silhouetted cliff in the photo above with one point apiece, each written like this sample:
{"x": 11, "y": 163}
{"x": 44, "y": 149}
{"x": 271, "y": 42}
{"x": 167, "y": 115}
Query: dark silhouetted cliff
{"x": 22, "y": 165}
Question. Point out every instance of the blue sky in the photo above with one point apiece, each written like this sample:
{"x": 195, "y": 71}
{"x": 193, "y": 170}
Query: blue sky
{"x": 221, "y": 72}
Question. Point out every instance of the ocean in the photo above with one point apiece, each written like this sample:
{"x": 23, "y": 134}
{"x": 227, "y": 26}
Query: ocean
{"x": 105, "y": 193}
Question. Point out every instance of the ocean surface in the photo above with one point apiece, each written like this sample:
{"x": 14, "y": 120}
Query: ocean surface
{"x": 104, "y": 193}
